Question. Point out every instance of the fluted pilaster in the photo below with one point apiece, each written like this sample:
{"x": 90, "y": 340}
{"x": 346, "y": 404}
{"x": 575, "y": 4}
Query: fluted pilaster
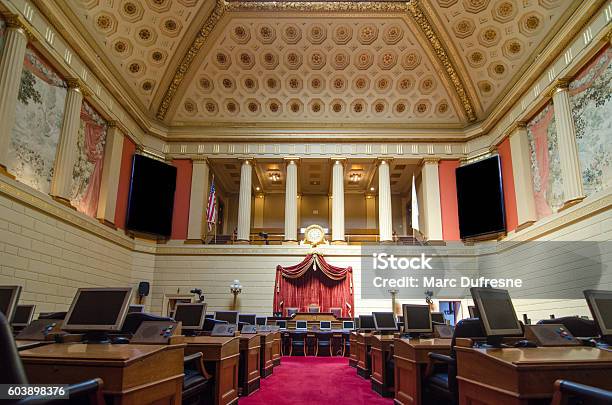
{"x": 198, "y": 200}
{"x": 11, "y": 65}
{"x": 291, "y": 183}
{"x": 338, "y": 200}
{"x": 385, "y": 218}
{"x": 523, "y": 184}
{"x": 107, "y": 200}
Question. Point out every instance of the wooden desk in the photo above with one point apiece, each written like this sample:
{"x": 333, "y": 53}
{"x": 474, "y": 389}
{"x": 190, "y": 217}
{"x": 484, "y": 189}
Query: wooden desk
{"x": 30, "y": 344}
{"x": 266, "y": 365}
{"x": 526, "y": 375}
{"x": 249, "y": 376}
{"x": 382, "y": 376}
{"x": 132, "y": 374}
{"x": 223, "y": 353}
{"x": 362, "y": 343}
{"x": 411, "y": 357}
{"x": 276, "y": 349}
{"x": 353, "y": 350}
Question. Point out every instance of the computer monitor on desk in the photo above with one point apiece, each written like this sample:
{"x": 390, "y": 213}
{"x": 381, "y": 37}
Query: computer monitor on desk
{"x": 600, "y": 304}
{"x": 9, "y": 296}
{"x": 497, "y": 314}
{"x": 97, "y": 311}
{"x": 23, "y": 315}
{"x": 135, "y": 308}
{"x": 249, "y": 319}
{"x": 417, "y": 320}
{"x": 366, "y": 323}
{"x": 261, "y": 320}
{"x": 348, "y": 325}
{"x": 325, "y": 325}
{"x": 230, "y": 317}
{"x": 282, "y": 324}
{"x": 473, "y": 311}
{"x": 301, "y": 325}
{"x": 191, "y": 316}
{"x": 385, "y": 322}
{"x": 437, "y": 317}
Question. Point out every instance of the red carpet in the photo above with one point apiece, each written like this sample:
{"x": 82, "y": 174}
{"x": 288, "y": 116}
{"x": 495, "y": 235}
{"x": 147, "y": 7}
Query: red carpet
{"x": 314, "y": 380}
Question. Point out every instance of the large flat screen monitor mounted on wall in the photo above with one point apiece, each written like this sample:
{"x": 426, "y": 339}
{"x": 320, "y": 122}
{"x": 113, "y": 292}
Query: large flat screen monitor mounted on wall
{"x": 480, "y": 198}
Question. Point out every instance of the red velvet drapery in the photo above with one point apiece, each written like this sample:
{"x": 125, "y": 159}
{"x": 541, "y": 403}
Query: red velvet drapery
{"x": 314, "y": 281}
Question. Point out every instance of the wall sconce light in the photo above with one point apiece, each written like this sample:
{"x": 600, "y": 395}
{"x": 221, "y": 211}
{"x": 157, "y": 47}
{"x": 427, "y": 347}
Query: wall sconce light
{"x": 235, "y": 289}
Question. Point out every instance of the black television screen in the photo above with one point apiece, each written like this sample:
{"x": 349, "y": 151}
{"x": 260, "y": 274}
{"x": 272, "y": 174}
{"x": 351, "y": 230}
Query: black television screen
{"x": 480, "y": 198}
{"x": 151, "y": 199}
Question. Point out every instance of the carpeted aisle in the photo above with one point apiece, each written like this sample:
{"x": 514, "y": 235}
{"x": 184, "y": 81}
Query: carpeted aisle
{"x": 314, "y": 380}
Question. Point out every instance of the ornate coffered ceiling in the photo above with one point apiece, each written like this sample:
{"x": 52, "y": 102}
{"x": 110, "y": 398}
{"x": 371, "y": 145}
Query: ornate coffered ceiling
{"x": 421, "y": 62}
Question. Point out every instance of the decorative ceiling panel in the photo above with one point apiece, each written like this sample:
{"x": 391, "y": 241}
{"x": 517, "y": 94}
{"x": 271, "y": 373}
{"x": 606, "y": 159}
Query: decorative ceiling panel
{"x": 139, "y": 37}
{"x": 496, "y": 38}
{"x": 296, "y": 69}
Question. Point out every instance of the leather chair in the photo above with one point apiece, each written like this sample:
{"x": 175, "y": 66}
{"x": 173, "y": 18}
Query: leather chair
{"x": 134, "y": 319}
{"x": 577, "y": 326}
{"x": 314, "y": 308}
{"x": 571, "y": 393}
{"x": 12, "y": 372}
{"x": 324, "y": 340}
{"x": 337, "y": 312}
{"x": 346, "y": 344}
{"x": 440, "y": 383}
{"x": 298, "y": 341}
{"x": 197, "y": 383}
{"x": 292, "y": 311}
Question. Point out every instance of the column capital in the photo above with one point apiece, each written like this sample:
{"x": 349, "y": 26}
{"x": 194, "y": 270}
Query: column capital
{"x": 517, "y": 125}
{"x": 431, "y": 160}
{"x": 338, "y": 160}
{"x": 559, "y": 85}
{"x": 78, "y": 85}
{"x": 383, "y": 160}
{"x": 247, "y": 160}
{"x": 13, "y": 21}
{"x": 291, "y": 160}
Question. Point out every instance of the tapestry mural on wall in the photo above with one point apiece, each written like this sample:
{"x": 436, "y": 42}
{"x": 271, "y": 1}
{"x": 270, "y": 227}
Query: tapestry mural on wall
{"x": 87, "y": 171}
{"x": 545, "y": 165}
{"x": 38, "y": 123}
{"x": 591, "y": 100}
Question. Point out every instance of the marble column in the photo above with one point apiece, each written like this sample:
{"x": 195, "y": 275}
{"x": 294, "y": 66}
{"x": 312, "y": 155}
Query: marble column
{"x": 568, "y": 150}
{"x": 11, "y": 65}
{"x": 338, "y": 200}
{"x": 291, "y": 183}
{"x": 385, "y": 218}
{"x": 198, "y": 201}
{"x": 431, "y": 199}
{"x": 113, "y": 150}
{"x": 244, "y": 202}
{"x": 61, "y": 184}
{"x": 521, "y": 169}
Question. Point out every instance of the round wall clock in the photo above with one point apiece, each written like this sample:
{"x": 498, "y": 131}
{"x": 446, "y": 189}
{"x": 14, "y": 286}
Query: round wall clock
{"x": 314, "y": 235}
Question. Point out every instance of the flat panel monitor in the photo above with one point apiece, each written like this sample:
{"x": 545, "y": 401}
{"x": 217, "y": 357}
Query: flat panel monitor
{"x": 417, "y": 318}
{"x": 261, "y": 320}
{"x": 282, "y": 324}
{"x": 437, "y": 317}
{"x": 151, "y": 198}
{"x": 9, "y": 296}
{"x": 498, "y": 316}
{"x": 230, "y": 317}
{"x": 301, "y": 325}
{"x": 473, "y": 311}
{"x": 191, "y": 315}
{"x": 366, "y": 322}
{"x": 348, "y": 325}
{"x": 135, "y": 308}
{"x": 600, "y": 304}
{"x": 384, "y": 321}
{"x": 23, "y": 315}
{"x": 98, "y": 309}
{"x": 325, "y": 325}
{"x": 247, "y": 318}
{"x": 480, "y": 198}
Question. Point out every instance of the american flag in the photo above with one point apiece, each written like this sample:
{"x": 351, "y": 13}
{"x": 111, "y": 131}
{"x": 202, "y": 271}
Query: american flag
{"x": 211, "y": 211}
